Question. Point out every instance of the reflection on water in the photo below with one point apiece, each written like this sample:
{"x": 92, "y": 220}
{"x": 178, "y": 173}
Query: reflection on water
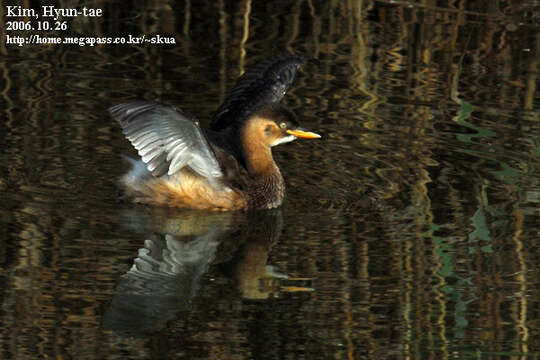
{"x": 410, "y": 231}
{"x": 163, "y": 279}
{"x": 168, "y": 270}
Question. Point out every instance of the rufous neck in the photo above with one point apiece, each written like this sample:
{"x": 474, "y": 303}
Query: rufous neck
{"x": 257, "y": 154}
{"x": 259, "y": 160}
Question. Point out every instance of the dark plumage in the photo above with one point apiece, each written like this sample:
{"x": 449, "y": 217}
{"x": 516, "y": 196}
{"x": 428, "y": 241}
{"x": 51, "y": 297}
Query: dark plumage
{"x": 265, "y": 83}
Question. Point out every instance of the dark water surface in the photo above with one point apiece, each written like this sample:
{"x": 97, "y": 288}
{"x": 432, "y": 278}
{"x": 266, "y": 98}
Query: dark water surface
{"x": 409, "y": 231}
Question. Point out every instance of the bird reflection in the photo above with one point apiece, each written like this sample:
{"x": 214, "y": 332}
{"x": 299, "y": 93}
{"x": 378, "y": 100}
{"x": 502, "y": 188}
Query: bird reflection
{"x": 167, "y": 272}
{"x": 256, "y": 279}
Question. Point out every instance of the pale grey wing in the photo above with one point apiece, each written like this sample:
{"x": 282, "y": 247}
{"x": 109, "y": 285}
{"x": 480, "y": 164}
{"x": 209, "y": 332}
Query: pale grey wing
{"x": 166, "y": 138}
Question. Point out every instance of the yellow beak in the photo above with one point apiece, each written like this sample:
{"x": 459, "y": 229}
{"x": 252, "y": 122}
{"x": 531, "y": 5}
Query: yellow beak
{"x": 303, "y": 134}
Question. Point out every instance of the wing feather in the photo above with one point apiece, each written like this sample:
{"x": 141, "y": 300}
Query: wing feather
{"x": 265, "y": 83}
{"x": 166, "y": 139}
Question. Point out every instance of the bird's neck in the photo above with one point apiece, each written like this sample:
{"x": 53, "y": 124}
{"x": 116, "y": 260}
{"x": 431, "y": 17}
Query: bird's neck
{"x": 266, "y": 187}
{"x": 259, "y": 161}
{"x": 257, "y": 155}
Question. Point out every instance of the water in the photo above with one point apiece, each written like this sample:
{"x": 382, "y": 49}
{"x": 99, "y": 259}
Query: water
{"x": 409, "y": 230}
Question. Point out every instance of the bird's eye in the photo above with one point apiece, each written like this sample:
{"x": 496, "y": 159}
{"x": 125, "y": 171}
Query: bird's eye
{"x": 283, "y": 125}
{"x": 267, "y": 130}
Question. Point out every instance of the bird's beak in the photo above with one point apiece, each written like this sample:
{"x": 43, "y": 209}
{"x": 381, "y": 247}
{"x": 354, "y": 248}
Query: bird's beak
{"x": 304, "y": 134}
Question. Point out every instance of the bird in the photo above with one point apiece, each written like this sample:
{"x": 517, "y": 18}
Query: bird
{"x": 225, "y": 167}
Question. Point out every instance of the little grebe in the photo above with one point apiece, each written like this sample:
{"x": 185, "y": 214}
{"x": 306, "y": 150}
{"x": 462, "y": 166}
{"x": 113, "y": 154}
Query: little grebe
{"x": 226, "y": 167}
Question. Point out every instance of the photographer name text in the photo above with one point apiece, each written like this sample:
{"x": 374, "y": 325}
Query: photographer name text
{"x": 49, "y": 11}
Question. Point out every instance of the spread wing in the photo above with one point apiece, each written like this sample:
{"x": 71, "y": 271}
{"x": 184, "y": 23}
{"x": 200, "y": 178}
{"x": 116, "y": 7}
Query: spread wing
{"x": 265, "y": 83}
{"x": 167, "y": 139}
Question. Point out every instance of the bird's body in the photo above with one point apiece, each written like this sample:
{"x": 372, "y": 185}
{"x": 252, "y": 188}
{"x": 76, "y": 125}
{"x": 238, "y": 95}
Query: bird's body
{"x": 227, "y": 167}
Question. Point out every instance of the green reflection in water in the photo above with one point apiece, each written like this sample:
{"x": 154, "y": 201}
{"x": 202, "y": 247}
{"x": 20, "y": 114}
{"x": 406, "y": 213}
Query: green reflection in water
{"x": 480, "y": 232}
{"x": 508, "y": 174}
{"x": 465, "y": 111}
{"x": 446, "y": 251}
{"x": 536, "y": 150}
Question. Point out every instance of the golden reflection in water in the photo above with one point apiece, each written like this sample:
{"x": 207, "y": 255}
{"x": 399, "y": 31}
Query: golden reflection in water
{"x": 520, "y": 313}
{"x": 245, "y": 34}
